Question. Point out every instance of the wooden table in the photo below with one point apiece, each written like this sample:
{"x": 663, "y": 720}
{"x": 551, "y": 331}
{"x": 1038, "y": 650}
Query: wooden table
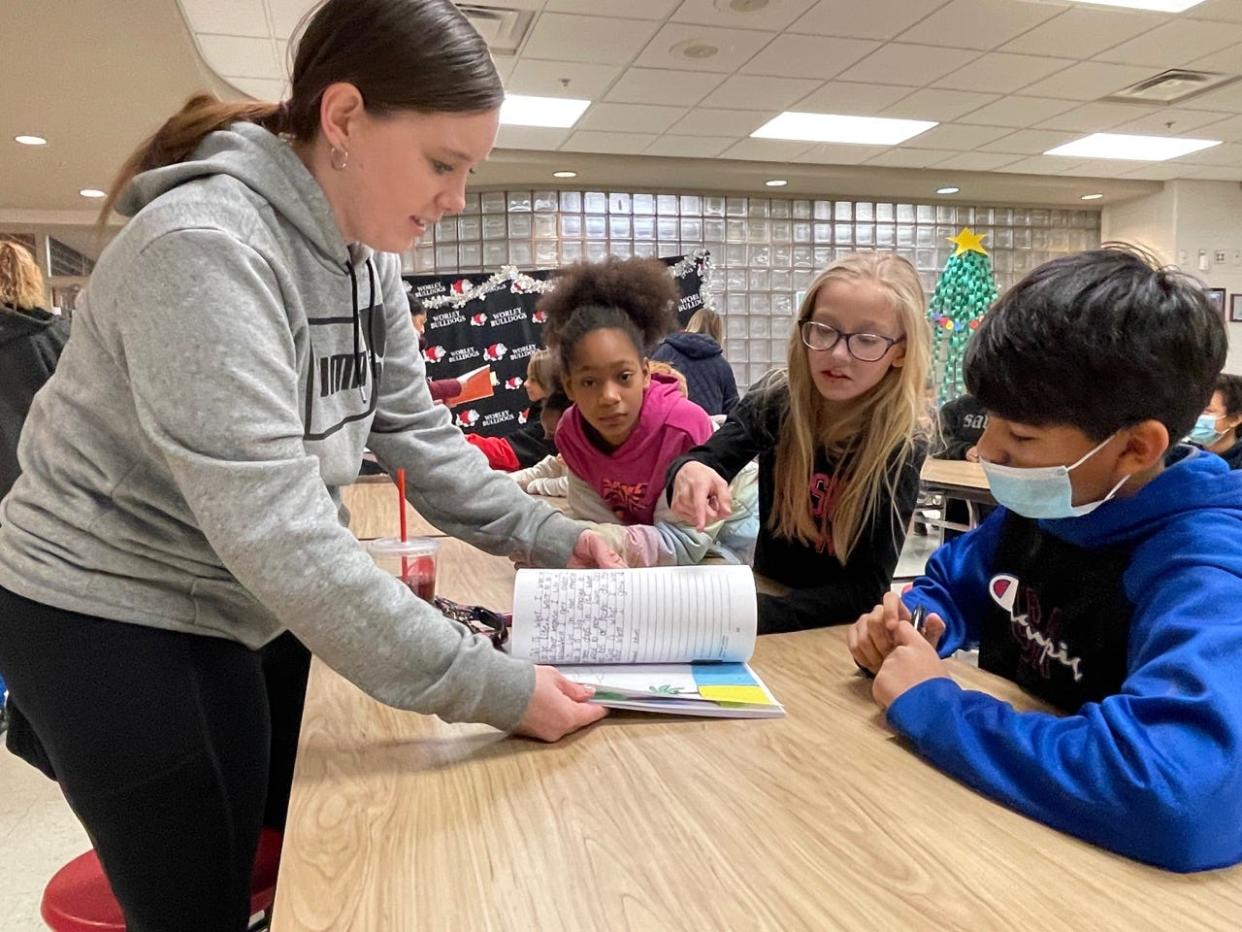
{"x": 372, "y": 504}
{"x": 956, "y": 479}
{"x": 822, "y": 820}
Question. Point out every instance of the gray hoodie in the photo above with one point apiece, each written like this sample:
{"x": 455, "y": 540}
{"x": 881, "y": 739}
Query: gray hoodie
{"x": 180, "y": 469}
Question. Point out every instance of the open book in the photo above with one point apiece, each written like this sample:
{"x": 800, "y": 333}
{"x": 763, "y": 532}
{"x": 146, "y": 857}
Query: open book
{"x": 475, "y": 385}
{"x": 667, "y": 639}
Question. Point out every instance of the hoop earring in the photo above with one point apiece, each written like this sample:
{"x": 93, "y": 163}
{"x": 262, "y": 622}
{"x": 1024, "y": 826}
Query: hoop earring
{"x": 339, "y": 159}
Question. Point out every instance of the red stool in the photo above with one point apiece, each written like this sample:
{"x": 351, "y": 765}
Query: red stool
{"x": 79, "y": 898}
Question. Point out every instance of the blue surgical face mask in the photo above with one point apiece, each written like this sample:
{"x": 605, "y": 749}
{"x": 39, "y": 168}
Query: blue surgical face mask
{"x": 1042, "y": 491}
{"x": 1204, "y": 432}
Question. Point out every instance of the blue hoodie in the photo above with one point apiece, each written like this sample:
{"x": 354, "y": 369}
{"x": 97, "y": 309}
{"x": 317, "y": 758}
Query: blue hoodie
{"x": 1134, "y": 612}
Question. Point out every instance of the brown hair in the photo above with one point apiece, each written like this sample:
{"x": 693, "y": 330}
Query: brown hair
{"x": 543, "y": 370}
{"x": 636, "y": 296}
{"x": 662, "y": 368}
{"x": 708, "y": 322}
{"x": 21, "y": 282}
{"x": 401, "y": 55}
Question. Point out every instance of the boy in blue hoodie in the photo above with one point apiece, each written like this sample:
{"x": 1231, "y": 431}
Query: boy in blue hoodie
{"x": 1107, "y": 584}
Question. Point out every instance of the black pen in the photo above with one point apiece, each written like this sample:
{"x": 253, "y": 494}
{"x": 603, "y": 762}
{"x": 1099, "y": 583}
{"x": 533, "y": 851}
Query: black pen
{"x": 919, "y": 619}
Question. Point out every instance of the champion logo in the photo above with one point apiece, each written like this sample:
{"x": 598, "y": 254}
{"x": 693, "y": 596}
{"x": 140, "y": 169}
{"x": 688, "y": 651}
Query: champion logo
{"x": 1042, "y": 648}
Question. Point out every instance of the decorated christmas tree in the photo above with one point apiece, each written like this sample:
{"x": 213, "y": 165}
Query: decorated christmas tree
{"x": 964, "y": 293}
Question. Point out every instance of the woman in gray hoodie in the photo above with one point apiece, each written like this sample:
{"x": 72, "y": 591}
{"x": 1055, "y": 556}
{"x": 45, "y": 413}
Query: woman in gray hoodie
{"x": 177, "y": 521}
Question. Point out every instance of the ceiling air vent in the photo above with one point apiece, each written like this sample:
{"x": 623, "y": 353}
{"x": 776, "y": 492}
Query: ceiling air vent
{"x": 1170, "y": 87}
{"x": 502, "y": 27}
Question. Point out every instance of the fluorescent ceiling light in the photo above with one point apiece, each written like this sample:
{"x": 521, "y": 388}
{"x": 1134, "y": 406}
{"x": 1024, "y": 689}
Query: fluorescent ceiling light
{"x": 560, "y": 112}
{"x": 93, "y": 192}
{"x": 1091, "y": 197}
{"x": 776, "y": 183}
{"x": 1133, "y": 148}
{"x": 949, "y": 189}
{"x": 30, "y": 140}
{"x": 831, "y": 127}
{"x": 1163, "y": 6}
{"x": 565, "y": 174}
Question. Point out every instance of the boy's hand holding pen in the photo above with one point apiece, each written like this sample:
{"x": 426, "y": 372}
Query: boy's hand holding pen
{"x": 873, "y": 637}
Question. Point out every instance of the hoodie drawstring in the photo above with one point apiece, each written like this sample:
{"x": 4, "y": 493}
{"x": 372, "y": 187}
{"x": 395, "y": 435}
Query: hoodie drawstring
{"x": 358, "y": 370}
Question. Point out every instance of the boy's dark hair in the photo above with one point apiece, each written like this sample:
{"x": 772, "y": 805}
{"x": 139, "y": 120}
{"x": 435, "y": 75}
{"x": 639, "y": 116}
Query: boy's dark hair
{"x": 1230, "y": 388}
{"x": 637, "y": 296}
{"x": 1099, "y": 340}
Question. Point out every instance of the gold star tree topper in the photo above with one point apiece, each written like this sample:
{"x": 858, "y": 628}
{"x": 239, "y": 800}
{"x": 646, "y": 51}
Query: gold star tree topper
{"x": 968, "y": 241}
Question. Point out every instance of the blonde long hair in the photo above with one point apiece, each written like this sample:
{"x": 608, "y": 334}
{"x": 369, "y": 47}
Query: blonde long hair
{"x": 21, "y": 282}
{"x": 866, "y": 435}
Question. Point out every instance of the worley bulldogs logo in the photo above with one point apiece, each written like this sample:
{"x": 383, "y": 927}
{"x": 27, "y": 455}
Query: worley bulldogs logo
{"x": 478, "y": 320}
{"x": 514, "y": 383}
{"x": 1036, "y": 634}
{"x": 461, "y": 286}
{"x": 467, "y": 418}
{"x": 523, "y": 416}
{"x": 434, "y": 353}
{"x": 495, "y": 352}
{"x": 539, "y": 317}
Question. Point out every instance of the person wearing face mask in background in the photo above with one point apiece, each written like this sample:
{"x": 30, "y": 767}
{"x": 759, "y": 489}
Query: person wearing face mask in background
{"x": 1217, "y": 428}
{"x": 1107, "y": 582}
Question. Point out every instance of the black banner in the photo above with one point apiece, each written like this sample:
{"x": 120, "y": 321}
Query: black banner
{"x": 493, "y": 321}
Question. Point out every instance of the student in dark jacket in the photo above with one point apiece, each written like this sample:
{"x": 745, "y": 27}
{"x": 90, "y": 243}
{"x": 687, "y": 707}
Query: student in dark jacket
{"x": 1218, "y": 426}
{"x": 962, "y": 422}
{"x": 695, "y": 352}
{"x": 30, "y": 343}
{"x": 838, "y": 446}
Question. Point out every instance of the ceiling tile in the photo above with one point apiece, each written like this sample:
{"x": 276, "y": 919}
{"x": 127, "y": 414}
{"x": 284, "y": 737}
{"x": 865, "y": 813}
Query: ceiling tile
{"x": 736, "y": 46}
{"x": 774, "y": 16}
{"x": 978, "y": 24}
{"x": 662, "y": 86}
{"x": 596, "y": 39}
{"x": 1098, "y": 168}
{"x": 1227, "y": 154}
{"x": 836, "y": 154}
{"x": 531, "y": 137}
{"x": 957, "y": 136}
{"x": 1226, "y": 10}
{"x": 1038, "y": 165}
{"x": 1183, "y": 122}
{"x": 261, "y": 88}
{"x": 233, "y": 56}
{"x": 504, "y": 65}
{"x": 694, "y": 147}
{"x": 630, "y": 118}
{"x": 287, "y": 14}
{"x": 610, "y": 143}
{"x": 1158, "y": 171}
{"x": 227, "y": 17}
{"x": 631, "y": 9}
{"x": 1229, "y": 130}
{"x": 874, "y": 19}
{"x": 1174, "y": 43}
{"x": 1081, "y": 32}
{"x": 1089, "y": 80}
{"x": 897, "y": 63}
{"x": 1213, "y": 173}
{"x": 750, "y": 92}
{"x": 1094, "y": 117}
{"x": 1030, "y": 142}
{"x": 943, "y": 106}
{"x": 1017, "y": 111}
{"x": 1004, "y": 72}
{"x": 901, "y": 157}
{"x": 765, "y": 150}
{"x": 547, "y": 78}
{"x": 808, "y": 56}
{"x": 1224, "y": 61}
{"x": 978, "y": 161}
{"x": 854, "y": 99}
{"x": 707, "y": 121}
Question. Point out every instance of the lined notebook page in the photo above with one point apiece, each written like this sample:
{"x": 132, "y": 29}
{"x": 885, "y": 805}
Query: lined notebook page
{"x": 673, "y": 614}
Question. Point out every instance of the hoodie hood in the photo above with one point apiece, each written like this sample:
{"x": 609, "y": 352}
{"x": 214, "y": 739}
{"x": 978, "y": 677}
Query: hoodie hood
{"x": 1192, "y": 485}
{"x": 265, "y": 163}
{"x": 630, "y": 479}
{"x": 694, "y": 345}
{"x": 19, "y": 325}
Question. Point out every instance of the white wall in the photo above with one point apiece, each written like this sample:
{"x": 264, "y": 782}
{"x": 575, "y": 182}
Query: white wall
{"x": 1180, "y": 221}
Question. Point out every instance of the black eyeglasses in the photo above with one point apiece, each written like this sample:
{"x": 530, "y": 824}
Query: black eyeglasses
{"x": 865, "y": 347}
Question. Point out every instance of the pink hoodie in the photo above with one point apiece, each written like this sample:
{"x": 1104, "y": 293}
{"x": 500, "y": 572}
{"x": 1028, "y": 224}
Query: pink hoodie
{"x": 630, "y": 479}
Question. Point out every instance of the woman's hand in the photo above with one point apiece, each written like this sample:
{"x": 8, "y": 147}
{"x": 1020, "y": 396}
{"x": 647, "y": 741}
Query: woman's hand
{"x": 593, "y": 552}
{"x": 701, "y": 496}
{"x": 557, "y": 707}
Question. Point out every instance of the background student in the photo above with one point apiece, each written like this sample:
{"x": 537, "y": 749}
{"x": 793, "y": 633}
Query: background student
{"x": 1217, "y": 427}
{"x": 696, "y": 353}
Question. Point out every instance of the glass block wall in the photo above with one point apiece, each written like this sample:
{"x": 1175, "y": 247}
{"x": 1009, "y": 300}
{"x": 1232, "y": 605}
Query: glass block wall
{"x": 765, "y": 249}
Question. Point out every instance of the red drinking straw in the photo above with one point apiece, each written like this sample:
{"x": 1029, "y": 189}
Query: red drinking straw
{"x": 405, "y": 566}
